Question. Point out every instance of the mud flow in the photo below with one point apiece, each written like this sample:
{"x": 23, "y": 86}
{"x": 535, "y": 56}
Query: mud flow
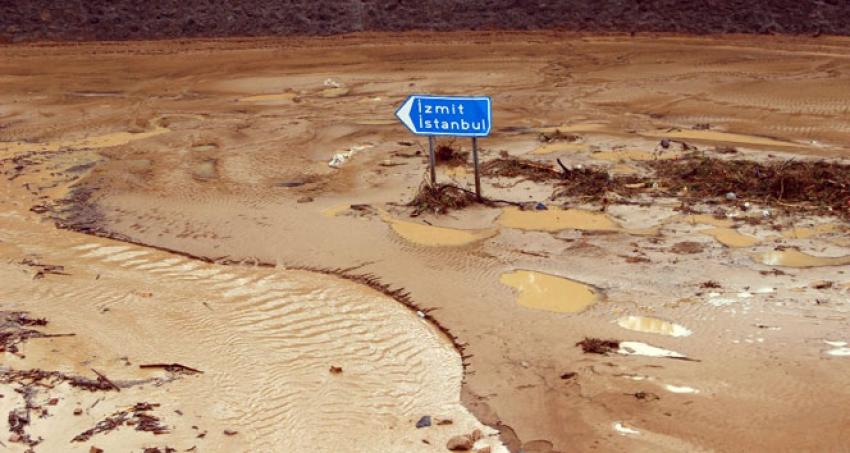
{"x": 231, "y": 245}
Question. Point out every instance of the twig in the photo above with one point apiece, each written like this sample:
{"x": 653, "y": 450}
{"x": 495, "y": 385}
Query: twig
{"x": 106, "y": 380}
{"x": 172, "y": 367}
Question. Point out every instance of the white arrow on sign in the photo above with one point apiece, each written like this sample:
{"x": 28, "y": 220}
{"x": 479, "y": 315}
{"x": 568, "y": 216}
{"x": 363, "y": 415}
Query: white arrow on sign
{"x": 403, "y": 113}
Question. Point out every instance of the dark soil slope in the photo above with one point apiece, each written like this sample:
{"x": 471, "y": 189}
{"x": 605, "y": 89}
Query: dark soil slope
{"x": 135, "y": 19}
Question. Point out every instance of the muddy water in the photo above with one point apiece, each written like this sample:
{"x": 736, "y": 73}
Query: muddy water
{"x": 557, "y": 147}
{"x": 796, "y": 258}
{"x": 757, "y": 86}
{"x": 807, "y": 232}
{"x": 98, "y": 141}
{"x": 556, "y": 219}
{"x": 547, "y": 292}
{"x": 653, "y": 325}
{"x": 731, "y": 237}
{"x": 723, "y": 137}
{"x": 280, "y": 98}
{"x": 435, "y": 236}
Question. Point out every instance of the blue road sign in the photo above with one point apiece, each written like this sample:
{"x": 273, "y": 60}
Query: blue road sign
{"x": 446, "y": 115}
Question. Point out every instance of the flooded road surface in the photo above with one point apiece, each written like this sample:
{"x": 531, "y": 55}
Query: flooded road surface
{"x": 267, "y": 156}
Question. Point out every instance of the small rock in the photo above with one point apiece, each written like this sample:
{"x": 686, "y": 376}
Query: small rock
{"x": 94, "y": 449}
{"x": 78, "y": 411}
{"x": 444, "y": 421}
{"x": 336, "y": 370}
{"x": 305, "y": 200}
{"x": 229, "y": 432}
{"x": 424, "y": 422}
{"x": 731, "y": 196}
{"x": 460, "y": 443}
{"x": 476, "y": 435}
{"x": 540, "y": 207}
{"x": 665, "y": 143}
{"x": 53, "y": 401}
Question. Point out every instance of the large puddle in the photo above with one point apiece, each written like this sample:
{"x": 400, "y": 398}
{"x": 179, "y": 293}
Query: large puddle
{"x": 434, "y": 236}
{"x": 279, "y": 98}
{"x": 633, "y": 155}
{"x": 557, "y": 219}
{"x": 716, "y": 136}
{"x": 556, "y": 147}
{"x": 98, "y": 141}
{"x": 547, "y": 292}
{"x": 730, "y": 237}
{"x": 807, "y": 232}
{"x": 796, "y": 258}
{"x": 653, "y": 325}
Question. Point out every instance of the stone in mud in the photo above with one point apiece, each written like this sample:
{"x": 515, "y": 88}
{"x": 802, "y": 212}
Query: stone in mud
{"x": 460, "y": 443}
{"x": 424, "y": 422}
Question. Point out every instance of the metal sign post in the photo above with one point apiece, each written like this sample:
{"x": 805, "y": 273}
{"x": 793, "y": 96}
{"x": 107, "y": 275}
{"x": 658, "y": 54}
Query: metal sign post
{"x": 432, "y": 160}
{"x": 456, "y": 116}
{"x": 475, "y": 163}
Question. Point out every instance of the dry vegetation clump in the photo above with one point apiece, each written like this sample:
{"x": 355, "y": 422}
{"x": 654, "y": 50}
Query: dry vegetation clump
{"x": 793, "y": 184}
{"x": 446, "y": 154}
{"x": 557, "y": 136}
{"x": 440, "y": 199}
{"x": 598, "y": 345}
{"x": 593, "y": 183}
{"x": 514, "y": 167}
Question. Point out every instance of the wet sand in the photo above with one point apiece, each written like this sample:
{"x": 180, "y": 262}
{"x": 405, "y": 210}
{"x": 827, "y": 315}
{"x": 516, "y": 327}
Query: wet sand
{"x": 220, "y": 150}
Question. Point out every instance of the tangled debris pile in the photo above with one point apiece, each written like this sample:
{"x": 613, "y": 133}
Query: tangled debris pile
{"x": 594, "y": 183}
{"x": 15, "y": 329}
{"x": 514, "y": 167}
{"x": 446, "y": 154}
{"x": 813, "y": 185}
{"x": 137, "y": 416}
{"x": 440, "y": 199}
{"x": 557, "y": 136}
{"x": 598, "y": 345}
{"x": 43, "y": 269}
{"x": 18, "y": 327}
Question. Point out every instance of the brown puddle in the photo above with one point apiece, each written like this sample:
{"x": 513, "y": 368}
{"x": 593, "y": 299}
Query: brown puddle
{"x": 624, "y": 169}
{"x": 270, "y": 98}
{"x": 716, "y": 136}
{"x": 731, "y": 237}
{"x": 547, "y": 292}
{"x": 334, "y": 92}
{"x": 99, "y": 141}
{"x": 557, "y": 219}
{"x": 632, "y": 154}
{"x": 558, "y": 147}
{"x": 653, "y": 325}
{"x": 796, "y": 258}
{"x": 578, "y": 127}
{"x": 807, "y": 232}
{"x": 434, "y": 236}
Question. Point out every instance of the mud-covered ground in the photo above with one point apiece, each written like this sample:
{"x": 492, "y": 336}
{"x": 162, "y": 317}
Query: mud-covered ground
{"x": 196, "y": 167}
{"x": 126, "y": 19}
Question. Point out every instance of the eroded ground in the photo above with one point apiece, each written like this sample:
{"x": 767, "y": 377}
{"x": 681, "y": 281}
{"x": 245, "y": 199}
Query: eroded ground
{"x": 730, "y": 313}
